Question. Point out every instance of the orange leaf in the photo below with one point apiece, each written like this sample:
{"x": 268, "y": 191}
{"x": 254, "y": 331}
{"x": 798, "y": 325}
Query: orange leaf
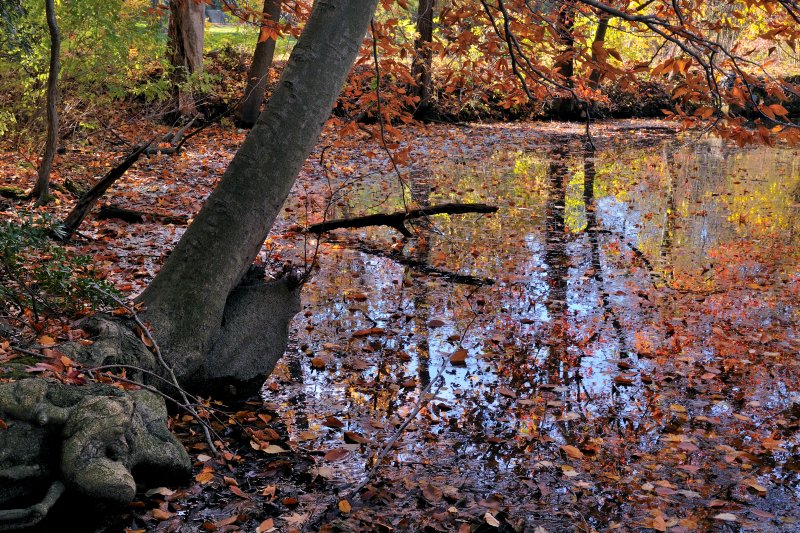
{"x": 572, "y": 451}
{"x": 336, "y": 454}
{"x": 459, "y": 357}
{"x": 266, "y": 526}
{"x": 158, "y": 514}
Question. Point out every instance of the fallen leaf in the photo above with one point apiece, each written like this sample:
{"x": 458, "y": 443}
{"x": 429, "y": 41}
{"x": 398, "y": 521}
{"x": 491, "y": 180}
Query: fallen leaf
{"x": 158, "y": 514}
{"x": 273, "y": 448}
{"x": 237, "y": 491}
{"x": 344, "y": 506}
{"x": 368, "y": 331}
{"x": 760, "y": 489}
{"x": 336, "y": 454}
{"x": 505, "y": 391}
{"x": 572, "y": 451}
{"x": 266, "y": 526}
{"x": 46, "y": 340}
{"x": 491, "y": 520}
{"x": 333, "y": 422}
{"x": 354, "y": 438}
{"x": 459, "y": 357}
{"x": 204, "y": 476}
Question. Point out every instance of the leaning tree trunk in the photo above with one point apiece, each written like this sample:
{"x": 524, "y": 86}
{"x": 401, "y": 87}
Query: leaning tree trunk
{"x": 196, "y": 290}
{"x": 250, "y": 106}
{"x": 186, "y": 27}
{"x": 421, "y": 66}
{"x": 42, "y": 189}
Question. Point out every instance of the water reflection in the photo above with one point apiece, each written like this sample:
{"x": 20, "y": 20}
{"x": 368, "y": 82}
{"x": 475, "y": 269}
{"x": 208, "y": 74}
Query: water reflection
{"x": 636, "y": 291}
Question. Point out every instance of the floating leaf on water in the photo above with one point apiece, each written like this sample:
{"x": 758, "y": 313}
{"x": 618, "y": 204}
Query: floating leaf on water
{"x": 354, "y": 438}
{"x": 505, "y": 391}
{"x": 459, "y": 357}
{"x": 336, "y": 454}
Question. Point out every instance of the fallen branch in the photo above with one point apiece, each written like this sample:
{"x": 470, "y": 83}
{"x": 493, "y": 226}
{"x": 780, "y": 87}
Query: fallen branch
{"x": 176, "y": 139}
{"x": 15, "y": 193}
{"x": 136, "y": 217}
{"x": 87, "y": 201}
{"x": 397, "y": 220}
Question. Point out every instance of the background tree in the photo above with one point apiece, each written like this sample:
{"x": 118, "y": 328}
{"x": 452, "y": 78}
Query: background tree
{"x": 423, "y": 56}
{"x": 42, "y": 189}
{"x": 186, "y": 37}
{"x": 257, "y": 77}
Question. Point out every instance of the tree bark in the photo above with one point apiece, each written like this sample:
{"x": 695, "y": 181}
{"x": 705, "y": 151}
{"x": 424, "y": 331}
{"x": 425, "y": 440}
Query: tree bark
{"x": 186, "y": 34}
{"x": 565, "y": 26}
{"x": 42, "y": 189}
{"x": 250, "y": 106}
{"x": 423, "y": 55}
{"x": 187, "y": 300}
{"x": 599, "y": 37}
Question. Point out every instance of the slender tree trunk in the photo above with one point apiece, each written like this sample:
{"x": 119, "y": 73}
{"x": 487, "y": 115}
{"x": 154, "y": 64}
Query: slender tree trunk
{"x": 423, "y": 55}
{"x": 189, "y": 298}
{"x": 599, "y": 37}
{"x": 250, "y": 106}
{"x": 565, "y": 106}
{"x": 42, "y": 189}
{"x": 565, "y": 26}
{"x": 186, "y": 34}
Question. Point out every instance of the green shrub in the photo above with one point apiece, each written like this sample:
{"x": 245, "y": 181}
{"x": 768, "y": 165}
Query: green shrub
{"x": 40, "y": 277}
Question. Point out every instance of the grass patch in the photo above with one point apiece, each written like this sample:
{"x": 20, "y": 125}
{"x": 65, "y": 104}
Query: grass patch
{"x": 244, "y": 37}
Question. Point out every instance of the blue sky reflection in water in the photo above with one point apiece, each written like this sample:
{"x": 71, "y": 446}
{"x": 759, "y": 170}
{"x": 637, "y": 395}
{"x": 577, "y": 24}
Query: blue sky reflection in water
{"x": 644, "y": 310}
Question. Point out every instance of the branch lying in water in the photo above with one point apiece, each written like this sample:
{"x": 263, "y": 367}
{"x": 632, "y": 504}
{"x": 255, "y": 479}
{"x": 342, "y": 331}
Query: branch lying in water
{"x": 397, "y": 220}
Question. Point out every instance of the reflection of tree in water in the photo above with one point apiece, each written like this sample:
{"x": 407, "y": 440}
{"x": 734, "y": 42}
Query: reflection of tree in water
{"x": 593, "y": 232}
{"x": 420, "y": 190}
{"x": 556, "y": 262}
{"x": 668, "y": 227}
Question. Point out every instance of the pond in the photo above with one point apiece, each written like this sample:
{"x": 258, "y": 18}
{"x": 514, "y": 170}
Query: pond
{"x": 617, "y": 346}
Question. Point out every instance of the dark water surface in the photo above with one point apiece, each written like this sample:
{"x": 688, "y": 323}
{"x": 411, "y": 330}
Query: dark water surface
{"x": 638, "y": 303}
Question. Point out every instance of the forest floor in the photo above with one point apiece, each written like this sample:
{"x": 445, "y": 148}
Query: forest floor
{"x": 614, "y": 349}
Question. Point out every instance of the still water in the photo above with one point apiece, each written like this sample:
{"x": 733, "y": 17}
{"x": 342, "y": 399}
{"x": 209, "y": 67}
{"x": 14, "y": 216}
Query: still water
{"x": 638, "y": 302}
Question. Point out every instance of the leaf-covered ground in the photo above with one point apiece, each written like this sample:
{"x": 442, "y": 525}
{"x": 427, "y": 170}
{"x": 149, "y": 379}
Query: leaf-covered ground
{"x": 616, "y": 348}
